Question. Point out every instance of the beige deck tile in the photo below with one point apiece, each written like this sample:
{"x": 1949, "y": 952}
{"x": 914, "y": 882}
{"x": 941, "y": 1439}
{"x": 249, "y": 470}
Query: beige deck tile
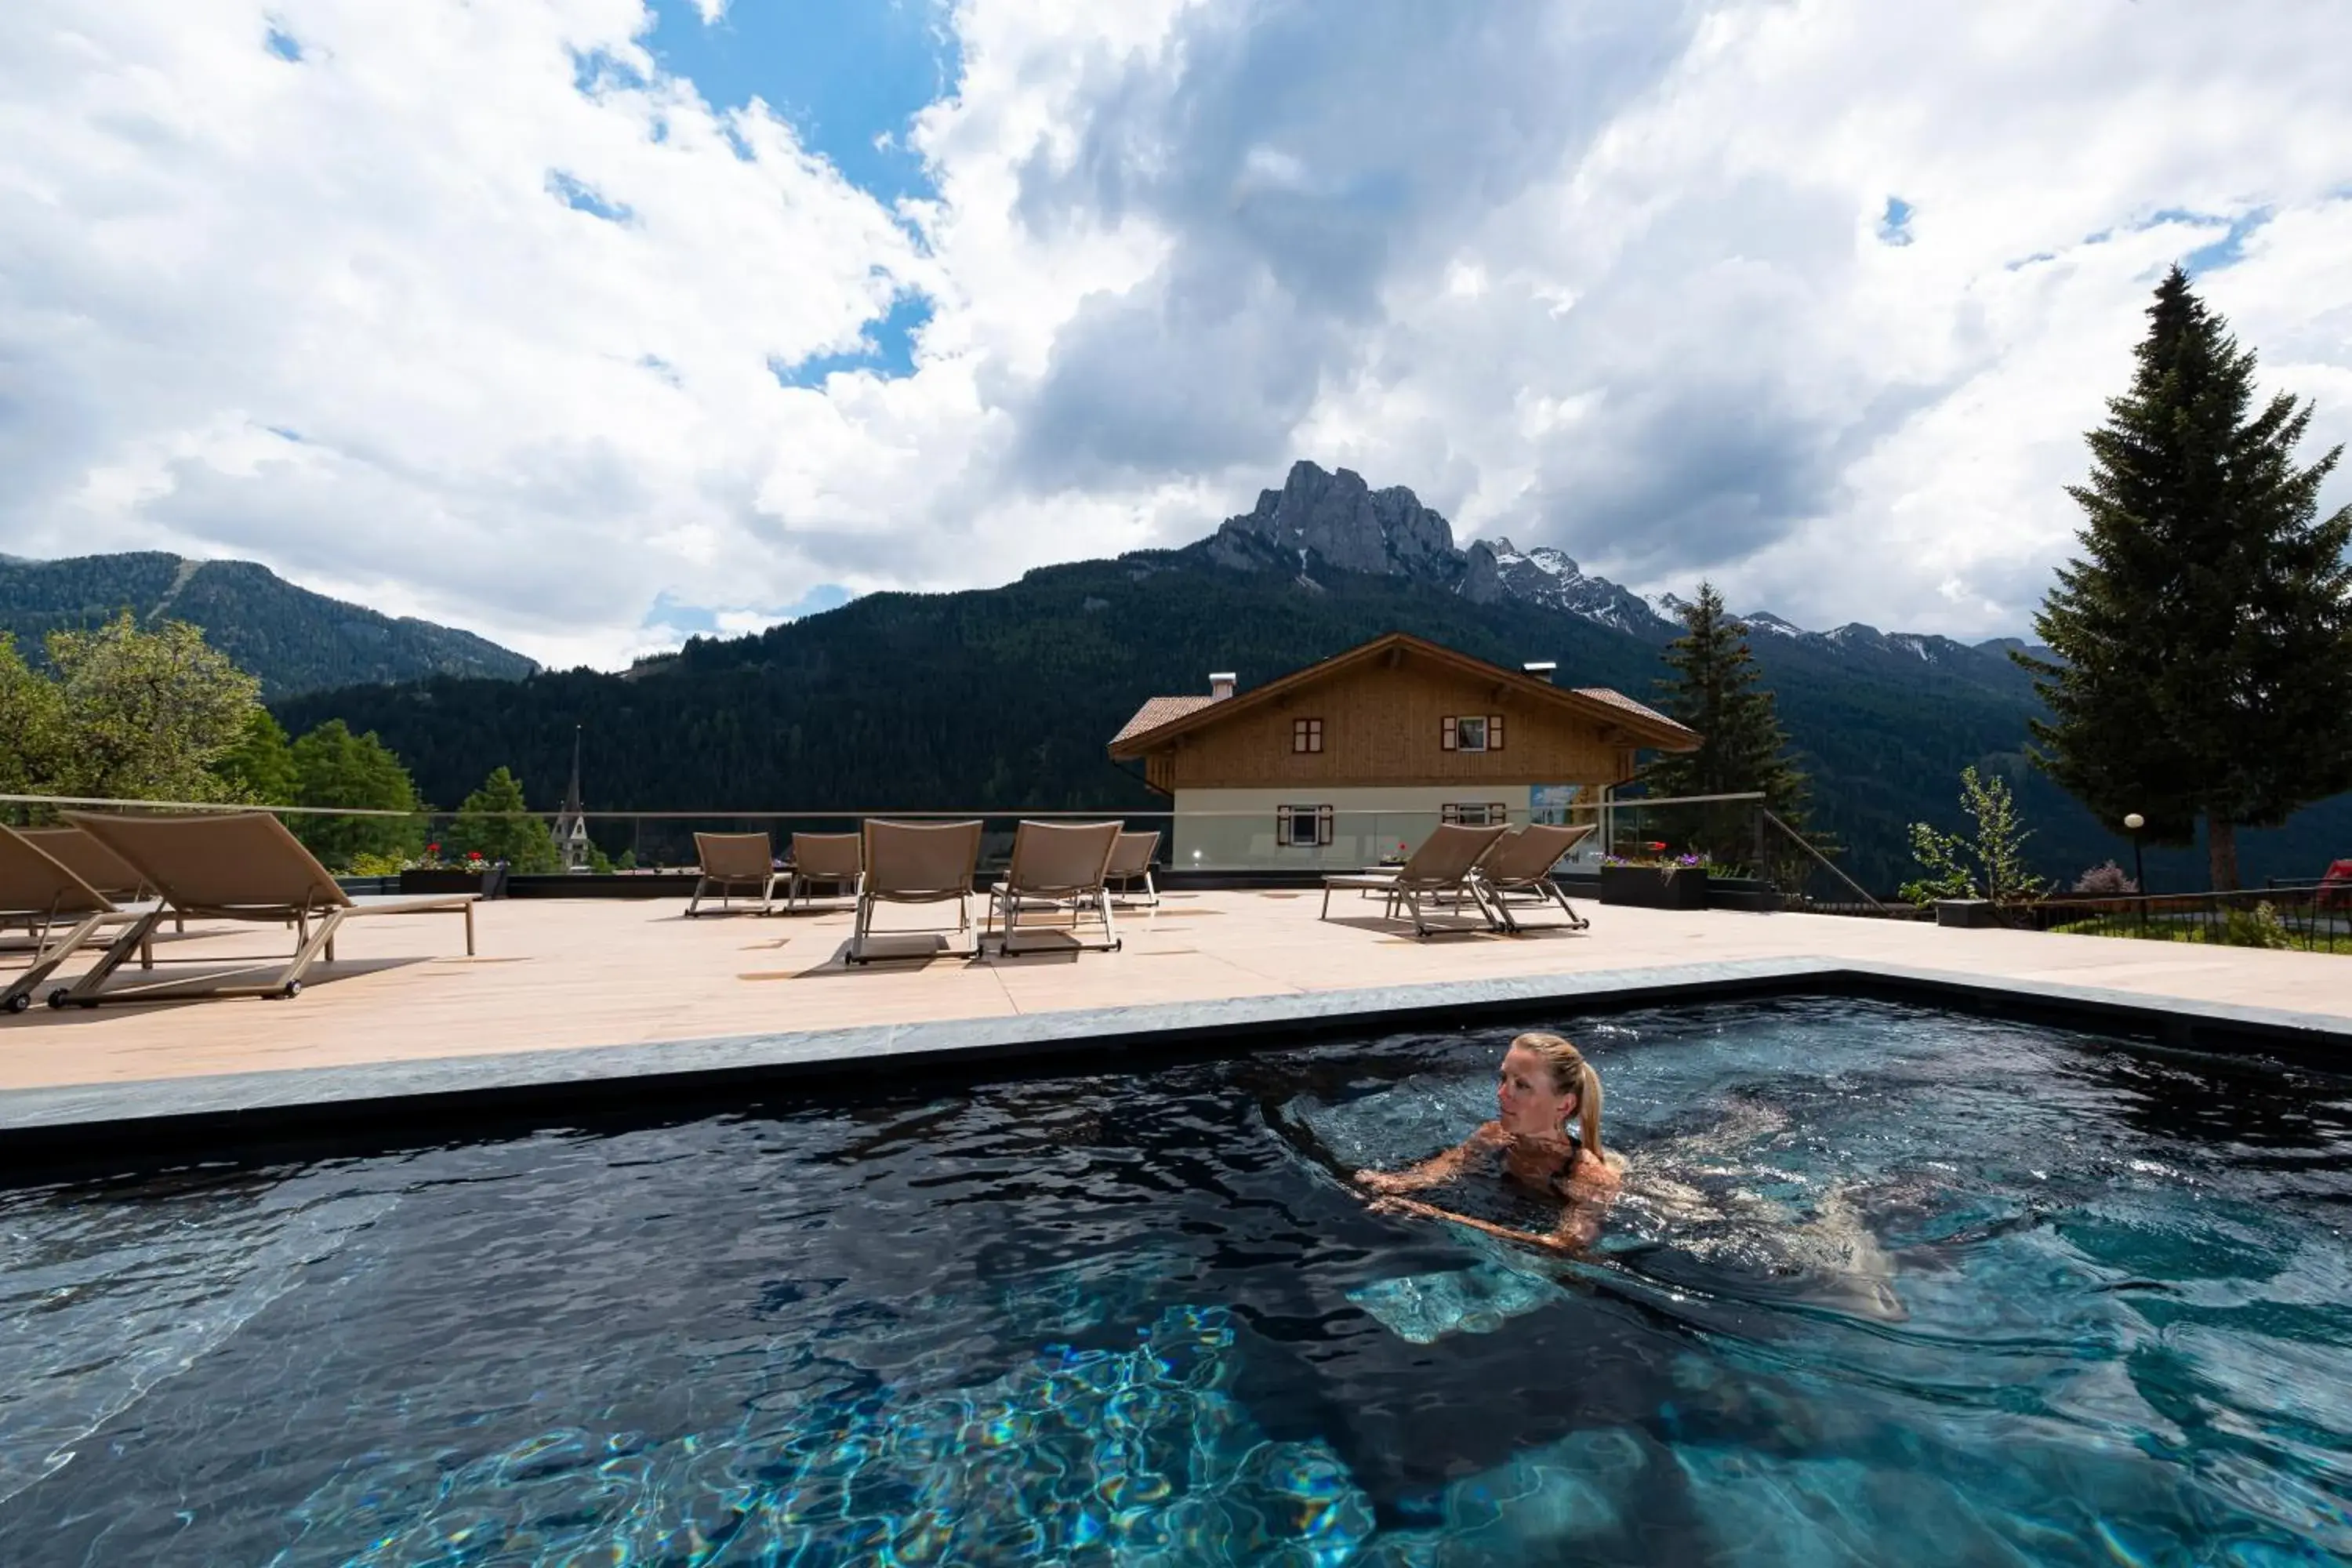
{"x": 554, "y": 974}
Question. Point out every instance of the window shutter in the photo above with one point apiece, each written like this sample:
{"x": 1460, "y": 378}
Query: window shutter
{"x": 1445, "y": 734}
{"x": 1498, "y": 814}
{"x": 1448, "y": 815}
{"x": 1494, "y": 731}
{"x": 1322, "y": 825}
{"x": 1282, "y": 827}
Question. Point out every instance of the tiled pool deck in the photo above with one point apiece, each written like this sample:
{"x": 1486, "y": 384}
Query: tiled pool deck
{"x": 573, "y": 992}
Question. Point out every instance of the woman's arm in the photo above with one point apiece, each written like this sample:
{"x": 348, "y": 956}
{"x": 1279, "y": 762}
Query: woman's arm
{"x": 1437, "y": 1168}
{"x": 1576, "y": 1230}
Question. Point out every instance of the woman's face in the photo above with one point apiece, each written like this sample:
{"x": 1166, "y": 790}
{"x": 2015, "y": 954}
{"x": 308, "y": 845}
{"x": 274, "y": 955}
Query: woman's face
{"x": 1525, "y": 1100}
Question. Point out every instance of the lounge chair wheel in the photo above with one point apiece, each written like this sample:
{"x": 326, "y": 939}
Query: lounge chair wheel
{"x": 293, "y": 989}
{"x": 58, "y": 997}
{"x": 18, "y": 1004}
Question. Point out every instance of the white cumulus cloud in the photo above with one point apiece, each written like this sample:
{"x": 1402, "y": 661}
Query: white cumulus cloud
{"x": 470, "y": 311}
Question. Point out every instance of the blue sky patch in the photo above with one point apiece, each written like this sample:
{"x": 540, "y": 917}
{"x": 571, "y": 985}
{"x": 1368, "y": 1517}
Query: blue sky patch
{"x": 702, "y": 620}
{"x": 283, "y": 44}
{"x": 580, "y": 196}
{"x": 1894, "y": 223}
{"x": 888, "y": 348}
{"x": 841, "y": 72}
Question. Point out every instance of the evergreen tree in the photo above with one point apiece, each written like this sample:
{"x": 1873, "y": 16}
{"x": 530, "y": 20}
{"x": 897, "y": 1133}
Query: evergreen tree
{"x": 1715, "y": 690}
{"x": 260, "y": 767}
{"x": 2203, "y": 638}
{"x": 495, "y": 822}
{"x": 334, "y": 767}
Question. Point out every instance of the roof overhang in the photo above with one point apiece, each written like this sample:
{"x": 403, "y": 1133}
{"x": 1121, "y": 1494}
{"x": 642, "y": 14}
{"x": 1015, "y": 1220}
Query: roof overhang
{"x": 1622, "y": 720}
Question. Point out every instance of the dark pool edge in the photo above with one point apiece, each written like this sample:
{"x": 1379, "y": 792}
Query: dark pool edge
{"x": 232, "y": 1114}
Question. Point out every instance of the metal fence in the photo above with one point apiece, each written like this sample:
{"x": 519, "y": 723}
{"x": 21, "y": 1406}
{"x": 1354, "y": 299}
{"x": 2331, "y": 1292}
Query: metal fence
{"x": 2307, "y": 917}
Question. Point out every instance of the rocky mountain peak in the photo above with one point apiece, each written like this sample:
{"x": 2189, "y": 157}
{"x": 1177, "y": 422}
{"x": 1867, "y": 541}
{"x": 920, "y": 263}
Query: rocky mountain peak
{"x": 1337, "y": 518}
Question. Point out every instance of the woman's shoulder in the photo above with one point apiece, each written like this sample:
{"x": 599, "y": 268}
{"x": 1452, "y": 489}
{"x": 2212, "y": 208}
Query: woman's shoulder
{"x": 1590, "y": 1172}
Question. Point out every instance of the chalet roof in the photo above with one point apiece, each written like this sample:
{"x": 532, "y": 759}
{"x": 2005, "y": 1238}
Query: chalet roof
{"x": 1159, "y": 711}
{"x": 1162, "y": 718}
{"x": 1618, "y": 700}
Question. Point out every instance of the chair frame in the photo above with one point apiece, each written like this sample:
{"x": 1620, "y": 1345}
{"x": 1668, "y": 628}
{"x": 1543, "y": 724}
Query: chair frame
{"x": 1125, "y": 880}
{"x": 1408, "y": 886}
{"x": 283, "y": 979}
{"x": 1075, "y": 897}
{"x": 1539, "y": 891}
{"x": 797, "y": 888}
{"x": 862, "y": 927}
{"x": 726, "y": 884}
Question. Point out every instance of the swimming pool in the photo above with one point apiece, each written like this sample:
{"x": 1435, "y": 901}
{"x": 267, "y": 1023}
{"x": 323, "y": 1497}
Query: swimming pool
{"x": 1888, "y": 1284}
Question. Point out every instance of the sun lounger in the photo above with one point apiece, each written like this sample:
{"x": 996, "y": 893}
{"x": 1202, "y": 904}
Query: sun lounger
{"x": 1444, "y": 863}
{"x": 1519, "y": 868}
{"x": 834, "y": 859}
{"x": 91, "y": 861}
{"x": 915, "y": 863}
{"x": 240, "y": 866}
{"x": 734, "y": 863}
{"x": 1131, "y": 862}
{"x": 62, "y": 910}
{"x": 1057, "y": 866}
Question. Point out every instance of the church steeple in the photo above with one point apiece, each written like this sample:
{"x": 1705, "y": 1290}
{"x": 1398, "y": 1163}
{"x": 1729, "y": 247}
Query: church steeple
{"x": 572, "y": 822}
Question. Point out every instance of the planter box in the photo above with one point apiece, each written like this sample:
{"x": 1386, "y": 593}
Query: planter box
{"x": 490, "y": 883}
{"x": 1650, "y": 888}
{"x": 1969, "y": 914}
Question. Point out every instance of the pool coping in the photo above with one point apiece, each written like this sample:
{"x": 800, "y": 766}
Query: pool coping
{"x": 224, "y": 1114}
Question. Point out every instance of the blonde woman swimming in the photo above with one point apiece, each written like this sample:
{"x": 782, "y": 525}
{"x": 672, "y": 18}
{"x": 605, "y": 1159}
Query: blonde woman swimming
{"x": 1546, "y": 1136}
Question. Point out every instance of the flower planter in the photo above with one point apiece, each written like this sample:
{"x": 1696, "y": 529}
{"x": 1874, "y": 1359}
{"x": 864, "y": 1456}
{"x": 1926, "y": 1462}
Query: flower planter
{"x": 1652, "y": 887}
{"x": 490, "y": 881}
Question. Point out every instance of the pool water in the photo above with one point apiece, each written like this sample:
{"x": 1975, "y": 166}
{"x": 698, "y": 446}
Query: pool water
{"x": 1885, "y": 1285}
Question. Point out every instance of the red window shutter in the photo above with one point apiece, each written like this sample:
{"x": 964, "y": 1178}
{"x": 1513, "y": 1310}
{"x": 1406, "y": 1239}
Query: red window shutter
{"x": 1445, "y": 734}
{"x": 1494, "y": 731}
{"x": 1322, "y": 825}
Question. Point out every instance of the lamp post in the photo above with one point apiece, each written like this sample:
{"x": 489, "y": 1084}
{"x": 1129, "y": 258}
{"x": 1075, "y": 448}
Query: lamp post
{"x": 2135, "y": 822}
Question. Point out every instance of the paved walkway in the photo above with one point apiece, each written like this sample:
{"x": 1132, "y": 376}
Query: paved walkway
{"x": 558, "y": 975}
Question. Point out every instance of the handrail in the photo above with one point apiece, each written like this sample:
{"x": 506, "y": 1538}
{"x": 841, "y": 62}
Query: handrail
{"x": 1806, "y": 845}
{"x": 1097, "y": 812}
{"x": 213, "y": 805}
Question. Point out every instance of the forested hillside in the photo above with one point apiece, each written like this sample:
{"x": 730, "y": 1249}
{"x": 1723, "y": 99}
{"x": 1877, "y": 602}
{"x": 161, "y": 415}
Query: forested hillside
{"x": 1004, "y": 699}
{"x": 293, "y": 640}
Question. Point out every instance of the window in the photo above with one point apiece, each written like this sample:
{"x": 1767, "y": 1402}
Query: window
{"x": 1477, "y": 814}
{"x": 1302, "y": 827}
{"x": 1471, "y": 733}
{"x": 1306, "y": 734}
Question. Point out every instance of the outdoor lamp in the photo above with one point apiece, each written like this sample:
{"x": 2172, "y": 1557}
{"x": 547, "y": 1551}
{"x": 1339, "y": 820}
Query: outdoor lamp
{"x": 2135, "y": 822}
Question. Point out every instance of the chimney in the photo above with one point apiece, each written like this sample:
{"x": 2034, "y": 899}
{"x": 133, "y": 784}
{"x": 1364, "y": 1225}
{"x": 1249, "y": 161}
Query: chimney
{"x": 1541, "y": 668}
{"x": 1221, "y": 686}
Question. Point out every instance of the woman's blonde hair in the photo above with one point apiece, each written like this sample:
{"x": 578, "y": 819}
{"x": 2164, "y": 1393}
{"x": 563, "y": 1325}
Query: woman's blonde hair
{"x": 1571, "y": 1074}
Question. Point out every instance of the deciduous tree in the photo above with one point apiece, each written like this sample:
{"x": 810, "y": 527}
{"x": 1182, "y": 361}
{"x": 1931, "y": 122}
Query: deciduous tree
{"x": 333, "y": 767}
{"x": 146, "y": 713}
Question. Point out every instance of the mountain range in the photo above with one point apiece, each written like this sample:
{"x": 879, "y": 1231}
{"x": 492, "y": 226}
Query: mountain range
{"x": 1004, "y": 699}
{"x": 293, "y": 640}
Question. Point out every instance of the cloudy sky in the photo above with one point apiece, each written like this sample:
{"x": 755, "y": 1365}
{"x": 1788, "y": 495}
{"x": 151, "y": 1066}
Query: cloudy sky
{"x": 586, "y": 323}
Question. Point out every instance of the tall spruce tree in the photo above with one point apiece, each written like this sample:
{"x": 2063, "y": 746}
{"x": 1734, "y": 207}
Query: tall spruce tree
{"x": 1716, "y": 689}
{"x": 2203, "y": 638}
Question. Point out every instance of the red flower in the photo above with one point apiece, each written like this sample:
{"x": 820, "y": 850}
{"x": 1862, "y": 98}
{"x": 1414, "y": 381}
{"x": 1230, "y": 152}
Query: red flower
{"x": 473, "y": 854}
{"x": 433, "y": 850}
